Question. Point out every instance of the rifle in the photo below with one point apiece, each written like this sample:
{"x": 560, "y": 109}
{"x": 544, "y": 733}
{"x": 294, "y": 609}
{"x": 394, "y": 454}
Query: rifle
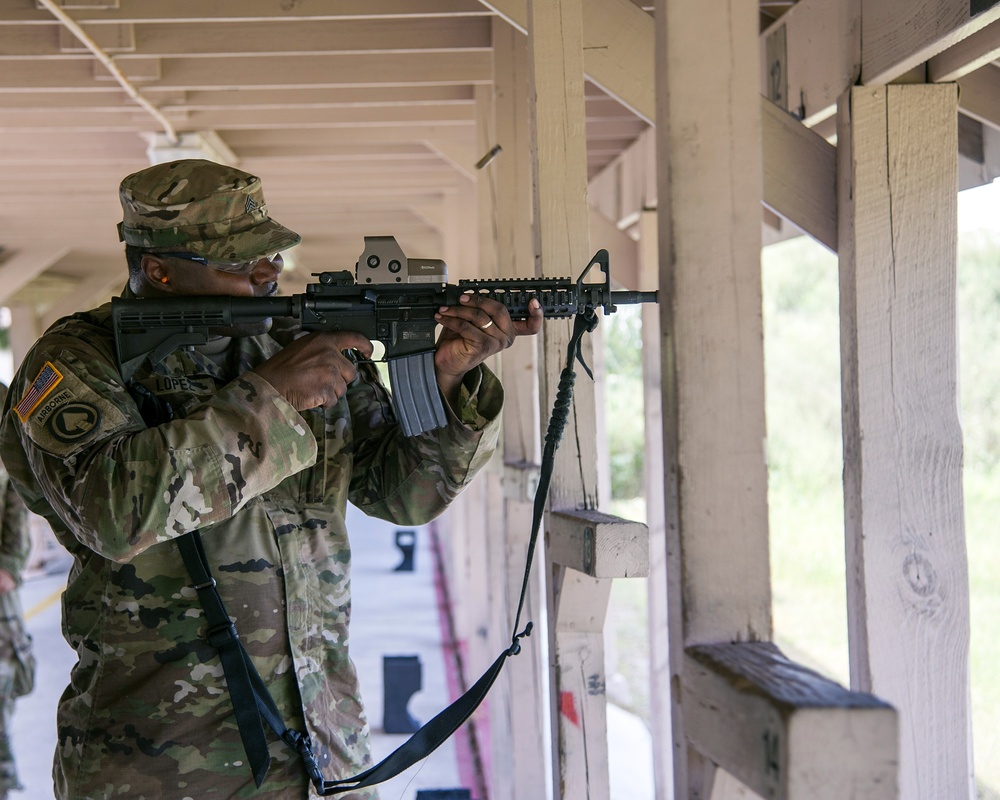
{"x": 390, "y": 298}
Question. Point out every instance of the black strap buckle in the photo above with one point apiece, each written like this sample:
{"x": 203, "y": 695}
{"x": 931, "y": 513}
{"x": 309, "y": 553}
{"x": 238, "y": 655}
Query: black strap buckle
{"x": 222, "y": 634}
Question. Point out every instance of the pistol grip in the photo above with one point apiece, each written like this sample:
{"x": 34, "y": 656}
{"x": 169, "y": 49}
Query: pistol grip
{"x": 415, "y": 394}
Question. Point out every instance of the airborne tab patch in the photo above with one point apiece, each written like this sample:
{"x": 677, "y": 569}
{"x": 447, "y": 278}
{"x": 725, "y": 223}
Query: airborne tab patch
{"x": 45, "y": 382}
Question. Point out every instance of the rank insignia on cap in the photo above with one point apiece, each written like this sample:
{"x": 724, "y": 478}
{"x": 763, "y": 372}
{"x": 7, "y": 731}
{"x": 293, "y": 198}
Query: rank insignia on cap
{"x": 47, "y": 380}
{"x": 251, "y": 205}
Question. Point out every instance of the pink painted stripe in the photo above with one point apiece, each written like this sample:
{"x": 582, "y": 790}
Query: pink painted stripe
{"x": 470, "y": 769}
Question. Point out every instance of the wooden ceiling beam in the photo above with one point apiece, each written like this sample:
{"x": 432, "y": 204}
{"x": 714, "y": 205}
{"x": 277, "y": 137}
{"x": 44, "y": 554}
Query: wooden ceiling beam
{"x": 136, "y": 119}
{"x": 966, "y": 56}
{"x": 979, "y": 95}
{"x": 113, "y": 99}
{"x": 249, "y": 10}
{"x": 810, "y": 56}
{"x": 618, "y": 48}
{"x": 896, "y": 37}
{"x": 412, "y": 69}
{"x": 298, "y": 38}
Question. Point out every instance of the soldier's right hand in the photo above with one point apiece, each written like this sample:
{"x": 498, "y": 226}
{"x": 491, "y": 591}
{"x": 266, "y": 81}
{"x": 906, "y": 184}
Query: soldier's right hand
{"x": 313, "y": 370}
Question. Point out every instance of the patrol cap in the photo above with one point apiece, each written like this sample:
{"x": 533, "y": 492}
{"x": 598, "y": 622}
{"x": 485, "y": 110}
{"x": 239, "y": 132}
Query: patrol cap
{"x": 200, "y": 207}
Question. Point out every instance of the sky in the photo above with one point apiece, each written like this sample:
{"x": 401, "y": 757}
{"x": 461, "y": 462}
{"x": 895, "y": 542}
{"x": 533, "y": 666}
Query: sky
{"x": 979, "y": 208}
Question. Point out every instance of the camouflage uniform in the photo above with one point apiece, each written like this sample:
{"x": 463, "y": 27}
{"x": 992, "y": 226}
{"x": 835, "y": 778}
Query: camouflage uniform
{"x": 17, "y": 666}
{"x": 147, "y": 714}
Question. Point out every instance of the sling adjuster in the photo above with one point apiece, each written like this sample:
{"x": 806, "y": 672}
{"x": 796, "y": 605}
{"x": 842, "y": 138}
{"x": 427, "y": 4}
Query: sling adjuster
{"x": 222, "y": 634}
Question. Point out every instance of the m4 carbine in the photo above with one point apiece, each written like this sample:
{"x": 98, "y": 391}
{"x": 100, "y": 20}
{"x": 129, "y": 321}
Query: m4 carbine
{"x": 390, "y": 298}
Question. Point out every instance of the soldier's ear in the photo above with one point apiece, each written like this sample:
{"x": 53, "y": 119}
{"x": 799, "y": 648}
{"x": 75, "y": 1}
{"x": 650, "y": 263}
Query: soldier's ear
{"x": 157, "y": 272}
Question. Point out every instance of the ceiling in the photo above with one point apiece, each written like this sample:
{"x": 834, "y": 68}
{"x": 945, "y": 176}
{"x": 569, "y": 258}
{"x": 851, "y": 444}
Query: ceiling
{"x": 359, "y": 116}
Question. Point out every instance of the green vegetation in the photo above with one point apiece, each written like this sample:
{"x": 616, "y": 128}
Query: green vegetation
{"x": 802, "y": 363}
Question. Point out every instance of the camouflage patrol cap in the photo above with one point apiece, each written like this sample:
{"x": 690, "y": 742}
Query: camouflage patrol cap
{"x": 200, "y": 207}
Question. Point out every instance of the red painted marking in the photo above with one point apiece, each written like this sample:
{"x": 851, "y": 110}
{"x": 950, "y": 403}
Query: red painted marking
{"x": 567, "y": 707}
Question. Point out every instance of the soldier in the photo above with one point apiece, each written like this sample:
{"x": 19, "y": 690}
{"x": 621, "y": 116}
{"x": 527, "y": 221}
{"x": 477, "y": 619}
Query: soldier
{"x": 17, "y": 665}
{"x": 266, "y": 446}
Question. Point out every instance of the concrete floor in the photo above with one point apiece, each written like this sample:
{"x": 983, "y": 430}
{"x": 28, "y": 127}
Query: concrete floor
{"x": 395, "y": 614}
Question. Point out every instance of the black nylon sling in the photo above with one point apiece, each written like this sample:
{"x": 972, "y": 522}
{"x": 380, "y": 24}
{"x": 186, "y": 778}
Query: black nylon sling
{"x": 251, "y": 699}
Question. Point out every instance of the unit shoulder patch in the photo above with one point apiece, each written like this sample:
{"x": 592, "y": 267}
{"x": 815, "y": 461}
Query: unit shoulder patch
{"x": 62, "y": 414}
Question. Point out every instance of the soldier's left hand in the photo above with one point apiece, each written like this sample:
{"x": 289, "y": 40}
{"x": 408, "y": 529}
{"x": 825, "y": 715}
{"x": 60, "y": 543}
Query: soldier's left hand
{"x": 476, "y": 329}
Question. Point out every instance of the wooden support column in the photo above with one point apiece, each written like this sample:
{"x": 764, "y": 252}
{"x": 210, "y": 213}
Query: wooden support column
{"x": 908, "y": 592}
{"x": 659, "y": 645}
{"x": 578, "y": 602}
{"x": 709, "y": 182}
{"x": 519, "y": 706}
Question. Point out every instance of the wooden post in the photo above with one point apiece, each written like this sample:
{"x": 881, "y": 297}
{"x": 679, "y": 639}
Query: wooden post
{"x": 659, "y": 646}
{"x": 709, "y": 181}
{"x": 908, "y": 592}
{"x": 578, "y": 602}
{"x": 519, "y": 708}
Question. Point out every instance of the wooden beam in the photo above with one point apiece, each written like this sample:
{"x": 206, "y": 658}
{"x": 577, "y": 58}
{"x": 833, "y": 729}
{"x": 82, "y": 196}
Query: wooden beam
{"x": 172, "y": 39}
{"x": 785, "y": 731}
{"x": 622, "y": 249}
{"x": 896, "y": 37}
{"x": 134, "y": 119}
{"x": 713, "y": 294}
{"x": 248, "y": 10}
{"x": 979, "y": 95}
{"x": 578, "y": 603}
{"x": 908, "y": 589}
{"x": 708, "y": 180}
{"x": 810, "y": 55}
{"x": 965, "y": 56}
{"x": 800, "y": 175}
{"x": 267, "y": 100}
{"x": 25, "y": 263}
{"x": 600, "y": 545}
{"x": 654, "y": 480}
{"x": 331, "y": 70}
{"x": 618, "y": 48}
{"x": 522, "y": 728}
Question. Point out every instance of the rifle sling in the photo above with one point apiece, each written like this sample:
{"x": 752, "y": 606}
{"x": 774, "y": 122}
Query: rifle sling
{"x": 252, "y": 701}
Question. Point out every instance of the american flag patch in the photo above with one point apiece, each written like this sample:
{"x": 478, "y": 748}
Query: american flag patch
{"x": 46, "y": 381}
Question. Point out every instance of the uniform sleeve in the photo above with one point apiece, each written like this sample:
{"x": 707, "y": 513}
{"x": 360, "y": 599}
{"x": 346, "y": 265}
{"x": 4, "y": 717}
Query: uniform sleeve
{"x": 15, "y": 538}
{"x": 121, "y": 486}
{"x": 410, "y": 481}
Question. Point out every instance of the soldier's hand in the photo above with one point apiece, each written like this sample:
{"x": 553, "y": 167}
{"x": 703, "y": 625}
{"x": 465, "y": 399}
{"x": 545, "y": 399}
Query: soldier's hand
{"x": 472, "y": 331}
{"x": 313, "y": 370}
{"x": 7, "y": 582}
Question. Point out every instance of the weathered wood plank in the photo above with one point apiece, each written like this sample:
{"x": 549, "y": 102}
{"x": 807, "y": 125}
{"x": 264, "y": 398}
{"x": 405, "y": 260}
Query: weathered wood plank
{"x": 800, "y": 175}
{"x": 599, "y": 545}
{"x": 519, "y": 741}
{"x": 908, "y": 594}
{"x": 979, "y": 95}
{"x": 785, "y": 731}
{"x": 709, "y": 180}
{"x": 654, "y": 481}
{"x": 618, "y": 47}
{"x": 965, "y": 56}
{"x": 896, "y": 37}
{"x": 578, "y": 603}
{"x": 810, "y": 55}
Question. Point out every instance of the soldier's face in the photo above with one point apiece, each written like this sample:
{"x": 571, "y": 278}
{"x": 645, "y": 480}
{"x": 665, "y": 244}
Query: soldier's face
{"x": 178, "y": 277}
{"x": 260, "y": 279}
